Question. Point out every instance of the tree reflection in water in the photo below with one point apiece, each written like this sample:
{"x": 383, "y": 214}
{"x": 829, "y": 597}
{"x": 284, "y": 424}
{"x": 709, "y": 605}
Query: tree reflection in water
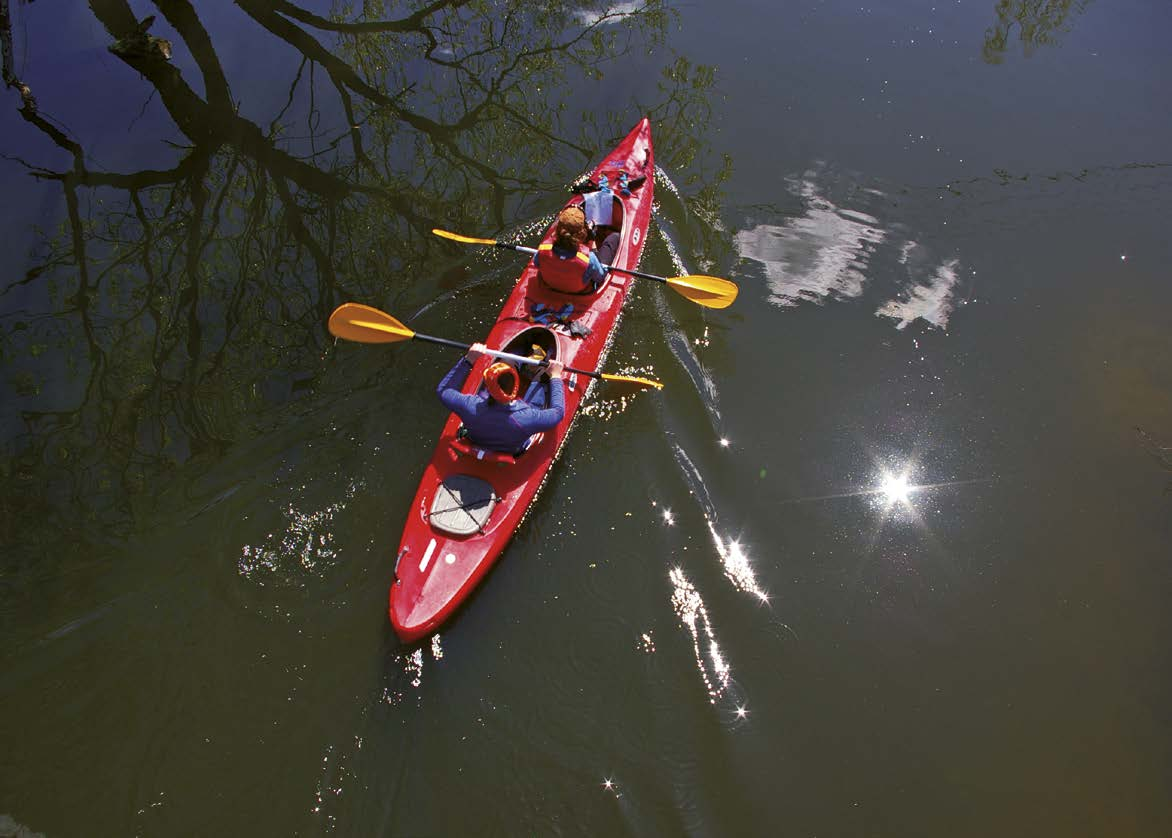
{"x": 174, "y": 295}
{"x": 1038, "y": 24}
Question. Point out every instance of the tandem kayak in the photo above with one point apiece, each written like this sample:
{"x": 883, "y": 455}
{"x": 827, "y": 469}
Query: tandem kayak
{"x": 470, "y": 502}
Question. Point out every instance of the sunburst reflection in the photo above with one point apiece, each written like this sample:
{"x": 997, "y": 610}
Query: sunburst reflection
{"x": 893, "y": 488}
{"x": 896, "y": 488}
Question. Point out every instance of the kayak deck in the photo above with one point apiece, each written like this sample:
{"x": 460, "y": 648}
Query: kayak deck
{"x": 470, "y": 503}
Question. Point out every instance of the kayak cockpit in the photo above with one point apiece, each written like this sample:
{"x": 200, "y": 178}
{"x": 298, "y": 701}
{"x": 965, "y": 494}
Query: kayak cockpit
{"x": 541, "y": 345}
{"x": 460, "y": 447}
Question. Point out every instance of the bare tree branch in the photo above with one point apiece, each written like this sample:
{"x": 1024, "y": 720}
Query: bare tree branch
{"x": 411, "y": 23}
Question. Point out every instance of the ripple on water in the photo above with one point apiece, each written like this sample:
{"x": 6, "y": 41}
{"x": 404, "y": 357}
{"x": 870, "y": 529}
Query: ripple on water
{"x": 304, "y": 549}
{"x": 609, "y": 400}
{"x": 406, "y": 675}
{"x": 735, "y": 563}
{"x": 734, "y": 559}
{"x": 664, "y": 181}
{"x": 684, "y": 348}
{"x": 693, "y": 616}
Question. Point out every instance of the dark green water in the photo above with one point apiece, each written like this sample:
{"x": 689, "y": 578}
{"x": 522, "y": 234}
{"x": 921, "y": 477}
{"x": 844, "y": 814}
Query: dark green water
{"x": 949, "y": 224}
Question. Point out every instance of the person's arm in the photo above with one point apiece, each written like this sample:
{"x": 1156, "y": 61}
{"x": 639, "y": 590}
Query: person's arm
{"x": 451, "y": 384}
{"x": 595, "y": 271}
{"x": 557, "y": 400}
{"x": 533, "y": 421}
{"x": 449, "y": 387}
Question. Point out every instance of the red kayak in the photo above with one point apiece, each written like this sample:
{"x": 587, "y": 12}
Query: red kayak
{"x": 470, "y": 502}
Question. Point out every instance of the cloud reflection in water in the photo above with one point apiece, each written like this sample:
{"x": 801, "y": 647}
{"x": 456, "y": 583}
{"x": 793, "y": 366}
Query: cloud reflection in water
{"x": 832, "y": 253}
{"x": 931, "y": 301}
{"x": 610, "y": 13}
{"x": 817, "y": 256}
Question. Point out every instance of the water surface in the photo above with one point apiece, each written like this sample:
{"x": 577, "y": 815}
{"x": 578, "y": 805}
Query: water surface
{"x": 887, "y": 556}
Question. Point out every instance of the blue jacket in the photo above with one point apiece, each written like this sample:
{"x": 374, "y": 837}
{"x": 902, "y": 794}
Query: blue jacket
{"x": 495, "y": 426}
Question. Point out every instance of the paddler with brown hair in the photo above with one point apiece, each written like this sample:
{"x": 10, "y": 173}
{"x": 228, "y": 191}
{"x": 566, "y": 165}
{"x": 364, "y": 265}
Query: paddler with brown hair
{"x": 569, "y": 264}
{"x": 497, "y": 418}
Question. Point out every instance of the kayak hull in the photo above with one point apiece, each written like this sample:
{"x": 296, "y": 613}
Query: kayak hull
{"x": 435, "y": 569}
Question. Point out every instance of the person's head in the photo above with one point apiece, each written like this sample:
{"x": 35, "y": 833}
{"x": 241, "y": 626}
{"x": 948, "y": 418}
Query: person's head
{"x": 571, "y": 229}
{"x": 501, "y": 381}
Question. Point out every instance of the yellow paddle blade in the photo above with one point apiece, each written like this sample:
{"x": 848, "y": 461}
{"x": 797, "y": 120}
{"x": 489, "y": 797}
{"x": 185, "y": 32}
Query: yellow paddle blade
{"x": 708, "y": 291}
{"x": 632, "y": 382}
{"x": 456, "y": 237}
{"x": 363, "y": 324}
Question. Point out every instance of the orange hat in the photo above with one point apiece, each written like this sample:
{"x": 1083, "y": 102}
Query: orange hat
{"x": 501, "y": 381}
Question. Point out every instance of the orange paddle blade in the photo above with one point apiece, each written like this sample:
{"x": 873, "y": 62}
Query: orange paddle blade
{"x": 708, "y": 291}
{"x": 634, "y": 383}
{"x": 456, "y": 237}
{"x": 364, "y": 324}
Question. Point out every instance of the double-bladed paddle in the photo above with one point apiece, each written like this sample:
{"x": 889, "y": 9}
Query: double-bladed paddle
{"x": 708, "y": 291}
{"x": 364, "y": 324}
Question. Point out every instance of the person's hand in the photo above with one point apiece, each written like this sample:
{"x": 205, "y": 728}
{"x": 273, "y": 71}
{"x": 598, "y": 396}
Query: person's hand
{"x": 475, "y": 351}
{"x": 555, "y": 368}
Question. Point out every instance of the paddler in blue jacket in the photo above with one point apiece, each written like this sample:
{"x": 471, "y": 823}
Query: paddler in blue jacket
{"x": 496, "y": 418}
{"x": 568, "y": 264}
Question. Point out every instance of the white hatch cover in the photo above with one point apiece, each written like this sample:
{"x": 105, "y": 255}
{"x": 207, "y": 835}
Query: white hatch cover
{"x": 462, "y": 505}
